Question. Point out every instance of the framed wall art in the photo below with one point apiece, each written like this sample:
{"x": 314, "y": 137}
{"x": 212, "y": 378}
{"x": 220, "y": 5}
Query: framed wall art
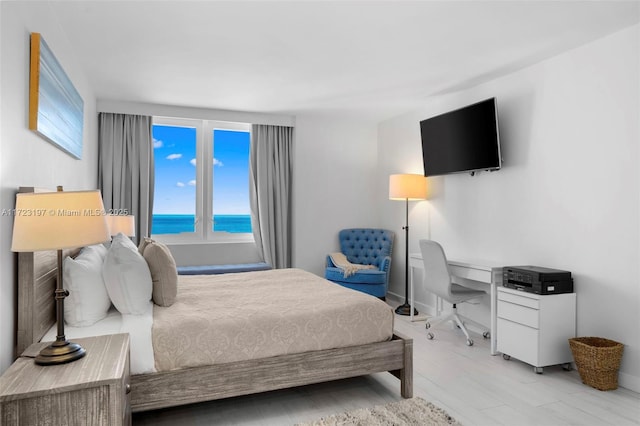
{"x": 56, "y": 109}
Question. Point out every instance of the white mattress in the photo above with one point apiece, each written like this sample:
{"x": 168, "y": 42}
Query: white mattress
{"x": 139, "y": 329}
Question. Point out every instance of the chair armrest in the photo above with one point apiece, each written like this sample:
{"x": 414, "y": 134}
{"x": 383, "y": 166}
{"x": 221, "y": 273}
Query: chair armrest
{"x": 330, "y": 263}
{"x": 385, "y": 264}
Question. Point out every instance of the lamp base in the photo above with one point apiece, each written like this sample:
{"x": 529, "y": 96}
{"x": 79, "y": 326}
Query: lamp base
{"x": 60, "y": 353}
{"x": 405, "y": 309}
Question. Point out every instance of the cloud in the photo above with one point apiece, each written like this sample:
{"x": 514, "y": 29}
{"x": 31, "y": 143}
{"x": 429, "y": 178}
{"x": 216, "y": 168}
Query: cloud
{"x": 157, "y": 143}
{"x": 217, "y": 162}
{"x": 173, "y": 156}
{"x": 192, "y": 183}
{"x": 193, "y": 162}
{"x": 179, "y": 184}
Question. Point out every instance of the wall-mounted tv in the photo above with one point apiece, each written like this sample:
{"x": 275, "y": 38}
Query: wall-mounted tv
{"x": 464, "y": 140}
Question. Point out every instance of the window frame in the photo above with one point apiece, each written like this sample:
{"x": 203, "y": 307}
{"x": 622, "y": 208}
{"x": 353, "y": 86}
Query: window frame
{"x": 203, "y": 232}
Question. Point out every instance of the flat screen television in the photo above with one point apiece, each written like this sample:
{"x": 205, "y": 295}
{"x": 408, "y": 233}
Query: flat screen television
{"x": 462, "y": 141}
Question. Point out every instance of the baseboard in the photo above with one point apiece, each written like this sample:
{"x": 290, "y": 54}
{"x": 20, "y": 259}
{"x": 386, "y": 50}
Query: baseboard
{"x": 395, "y": 297}
{"x": 424, "y": 309}
{"x": 629, "y": 381}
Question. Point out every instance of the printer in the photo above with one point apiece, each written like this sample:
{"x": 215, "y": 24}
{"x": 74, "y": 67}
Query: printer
{"x": 536, "y": 279}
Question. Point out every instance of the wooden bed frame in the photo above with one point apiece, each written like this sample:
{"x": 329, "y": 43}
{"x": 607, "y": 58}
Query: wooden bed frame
{"x": 36, "y": 315}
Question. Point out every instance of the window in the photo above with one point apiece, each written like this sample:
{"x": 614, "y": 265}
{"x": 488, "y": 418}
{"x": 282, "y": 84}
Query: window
{"x": 201, "y": 181}
{"x": 230, "y": 181}
{"x": 174, "y": 205}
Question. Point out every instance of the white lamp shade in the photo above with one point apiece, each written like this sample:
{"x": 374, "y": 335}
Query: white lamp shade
{"x": 407, "y": 187}
{"x": 122, "y": 223}
{"x": 58, "y": 220}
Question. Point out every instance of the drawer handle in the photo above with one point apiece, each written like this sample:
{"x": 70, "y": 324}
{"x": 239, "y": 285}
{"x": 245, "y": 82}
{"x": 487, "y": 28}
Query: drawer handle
{"x": 127, "y": 388}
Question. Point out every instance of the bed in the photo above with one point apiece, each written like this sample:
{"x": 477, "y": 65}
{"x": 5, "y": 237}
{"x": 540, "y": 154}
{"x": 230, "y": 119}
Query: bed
{"x": 204, "y": 382}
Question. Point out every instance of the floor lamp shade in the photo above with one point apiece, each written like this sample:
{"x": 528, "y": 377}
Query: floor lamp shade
{"x": 407, "y": 187}
{"x": 56, "y": 221}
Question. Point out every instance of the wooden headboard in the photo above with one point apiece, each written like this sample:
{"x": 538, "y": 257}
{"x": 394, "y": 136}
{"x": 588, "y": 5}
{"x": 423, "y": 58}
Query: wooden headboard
{"x": 36, "y": 306}
{"x": 37, "y": 274}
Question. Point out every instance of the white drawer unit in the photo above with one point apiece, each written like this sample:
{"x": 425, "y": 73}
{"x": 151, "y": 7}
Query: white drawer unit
{"x": 535, "y": 328}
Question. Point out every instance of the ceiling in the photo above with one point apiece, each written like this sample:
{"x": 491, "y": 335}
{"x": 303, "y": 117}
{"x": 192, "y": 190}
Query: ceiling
{"x": 372, "y": 59}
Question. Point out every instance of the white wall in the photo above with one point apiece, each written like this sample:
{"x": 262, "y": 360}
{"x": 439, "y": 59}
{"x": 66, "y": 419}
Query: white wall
{"x": 25, "y": 158}
{"x": 568, "y": 195}
{"x": 208, "y": 253}
{"x": 334, "y": 184}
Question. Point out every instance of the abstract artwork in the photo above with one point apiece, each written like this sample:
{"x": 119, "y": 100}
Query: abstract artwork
{"x": 55, "y": 106}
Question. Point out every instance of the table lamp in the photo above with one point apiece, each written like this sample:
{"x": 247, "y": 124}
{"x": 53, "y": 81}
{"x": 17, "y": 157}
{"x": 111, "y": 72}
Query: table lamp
{"x": 56, "y": 221}
{"x": 122, "y": 223}
{"x": 406, "y": 187}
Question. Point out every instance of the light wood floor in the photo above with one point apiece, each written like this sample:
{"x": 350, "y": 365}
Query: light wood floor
{"x": 473, "y": 386}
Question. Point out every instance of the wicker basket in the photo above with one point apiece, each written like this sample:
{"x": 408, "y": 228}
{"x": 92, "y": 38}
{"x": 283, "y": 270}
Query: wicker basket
{"x": 598, "y": 361}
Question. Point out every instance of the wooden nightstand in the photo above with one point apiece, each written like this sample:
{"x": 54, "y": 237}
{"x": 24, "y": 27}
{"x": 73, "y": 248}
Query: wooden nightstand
{"x": 93, "y": 390}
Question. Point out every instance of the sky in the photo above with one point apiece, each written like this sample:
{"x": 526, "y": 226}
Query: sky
{"x": 175, "y": 165}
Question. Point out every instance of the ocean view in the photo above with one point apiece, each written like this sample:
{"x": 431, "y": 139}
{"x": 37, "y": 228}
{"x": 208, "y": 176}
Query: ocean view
{"x": 176, "y": 223}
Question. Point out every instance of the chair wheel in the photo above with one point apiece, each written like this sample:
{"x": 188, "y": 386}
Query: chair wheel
{"x": 506, "y": 357}
{"x": 430, "y": 336}
{"x": 469, "y": 342}
{"x": 486, "y": 334}
{"x": 427, "y": 326}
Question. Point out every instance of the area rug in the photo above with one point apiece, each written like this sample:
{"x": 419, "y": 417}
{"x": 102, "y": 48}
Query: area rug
{"x": 414, "y": 412}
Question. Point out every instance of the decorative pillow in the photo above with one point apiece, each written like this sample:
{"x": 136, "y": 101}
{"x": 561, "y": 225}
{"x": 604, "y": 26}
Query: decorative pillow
{"x": 88, "y": 301}
{"x": 126, "y": 277}
{"x": 163, "y": 273}
{"x": 143, "y": 244}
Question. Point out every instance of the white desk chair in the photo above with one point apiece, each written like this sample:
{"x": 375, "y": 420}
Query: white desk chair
{"x": 438, "y": 281}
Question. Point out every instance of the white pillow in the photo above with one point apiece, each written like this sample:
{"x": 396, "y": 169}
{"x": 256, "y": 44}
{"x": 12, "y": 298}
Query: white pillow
{"x": 99, "y": 248}
{"x": 88, "y": 301}
{"x": 127, "y": 277}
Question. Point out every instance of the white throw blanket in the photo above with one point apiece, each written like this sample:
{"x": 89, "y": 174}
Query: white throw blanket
{"x": 348, "y": 268}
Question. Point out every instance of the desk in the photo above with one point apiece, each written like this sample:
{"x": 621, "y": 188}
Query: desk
{"x": 478, "y": 271}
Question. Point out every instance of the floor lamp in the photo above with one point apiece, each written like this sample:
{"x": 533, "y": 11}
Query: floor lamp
{"x": 56, "y": 221}
{"x": 407, "y": 187}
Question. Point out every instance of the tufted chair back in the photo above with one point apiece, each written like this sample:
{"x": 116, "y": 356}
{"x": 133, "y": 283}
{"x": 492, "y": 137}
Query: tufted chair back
{"x": 366, "y": 246}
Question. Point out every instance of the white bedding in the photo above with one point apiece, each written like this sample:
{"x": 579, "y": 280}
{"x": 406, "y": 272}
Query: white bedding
{"x": 139, "y": 329}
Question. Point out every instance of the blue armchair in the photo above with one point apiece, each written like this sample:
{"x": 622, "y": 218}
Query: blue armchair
{"x": 364, "y": 246}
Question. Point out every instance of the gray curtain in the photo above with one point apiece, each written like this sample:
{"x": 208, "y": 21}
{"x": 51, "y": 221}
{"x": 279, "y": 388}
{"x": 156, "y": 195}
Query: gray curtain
{"x": 125, "y": 166}
{"x": 270, "y": 192}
